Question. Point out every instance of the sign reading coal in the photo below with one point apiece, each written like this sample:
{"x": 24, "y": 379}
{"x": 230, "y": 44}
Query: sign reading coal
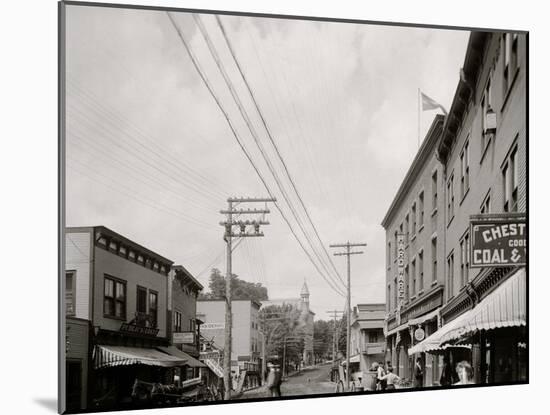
{"x": 498, "y": 242}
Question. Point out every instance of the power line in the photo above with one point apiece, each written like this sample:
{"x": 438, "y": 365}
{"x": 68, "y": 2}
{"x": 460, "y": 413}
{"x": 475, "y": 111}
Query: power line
{"x": 253, "y": 132}
{"x": 268, "y": 130}
{"x": 232, "y": 128}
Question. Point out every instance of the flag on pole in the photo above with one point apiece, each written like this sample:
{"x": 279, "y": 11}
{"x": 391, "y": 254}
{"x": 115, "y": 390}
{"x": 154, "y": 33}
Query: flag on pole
{"x": 430, "y": 104}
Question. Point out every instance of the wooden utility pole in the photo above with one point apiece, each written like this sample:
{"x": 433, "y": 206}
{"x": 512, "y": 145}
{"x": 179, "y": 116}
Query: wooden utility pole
{"x": 228, "y": 236}
{"x": 334, "y": 314}
{"x": 348, "y": 253}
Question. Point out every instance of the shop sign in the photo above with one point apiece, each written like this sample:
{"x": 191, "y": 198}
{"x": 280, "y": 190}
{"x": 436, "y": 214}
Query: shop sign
{"x": 419, "y": 334}
{"x": 400, "y": 275}
{"x": 212, "y": 326}
{"x": 185, "y": 337}
{"x": 498, "y": 241}
{"x": 135, "y": 329}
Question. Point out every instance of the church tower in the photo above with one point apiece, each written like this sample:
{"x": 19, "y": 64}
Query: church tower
{"x": 304, "y": 294}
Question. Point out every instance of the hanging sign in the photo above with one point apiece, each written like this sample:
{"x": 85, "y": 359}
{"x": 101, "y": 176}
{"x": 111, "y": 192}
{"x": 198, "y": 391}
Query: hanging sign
{"x": 400, "y": 275}
{"x": 498, "y": 241}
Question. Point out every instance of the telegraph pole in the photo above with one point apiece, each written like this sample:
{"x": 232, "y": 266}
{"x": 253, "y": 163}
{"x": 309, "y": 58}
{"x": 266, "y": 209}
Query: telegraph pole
{"x": 334, "y": 314}
{"x": 348, "y": 253}
{"x": 228, "y": 235}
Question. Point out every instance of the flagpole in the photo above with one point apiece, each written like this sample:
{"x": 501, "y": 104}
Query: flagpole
{"x": 418, "y": 102}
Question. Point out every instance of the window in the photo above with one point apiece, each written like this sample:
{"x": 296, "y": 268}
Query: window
{"x": 450, "y": 275}
{"x": 413, "y": 277}
{"x": 70, "y": 290}
{"x": 113, "y": 246}
{"x": 192, "y": 324}
{"x": 434, "y": 190}
{"x": 510, "y": 59}
{"x": 510, "y": 181}
{"x": 434, "y": 259}
{"x": 373, "y": 337}
{"x": 132, "y": 255}
{"x": 486, "y": 205}
{"x": 465, "y": 169}
{"x": 153, "y": 308}
{"x": 389, "y": 298}
{"x": 388, "y": 255}
{"x": 486, "y": 105}
{"x": 420, "y": 271}
{"x": 421, "y": 210}
{"x": 407, "y": 228}
{"x": 141, "y": 300}
{"x": 450, "y": 198}
{"x": 114, "y": 302}
{"x": 464, "y": 259}
{"x": 395, "y": 246}
{"x": 413, "y": 217}
{"x": 406, "y": 277}
{"x": 177, "y": 321}
{"x": 395, "y": 292}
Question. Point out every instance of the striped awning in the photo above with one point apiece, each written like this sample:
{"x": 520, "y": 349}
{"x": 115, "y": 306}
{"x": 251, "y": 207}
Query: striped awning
{"x": 189, "y": 360}
{"x": 504, "y": 307}
{"x": 110, "y": 356}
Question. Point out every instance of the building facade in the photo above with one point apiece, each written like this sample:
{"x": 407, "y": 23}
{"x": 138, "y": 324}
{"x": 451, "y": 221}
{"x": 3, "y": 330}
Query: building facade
{"x": 414, "y": 228}
{"x": 245, "y": 339}
{"x": 480, "y": 155}
{"x": 120, "y": 289}
{"x": 367, "y": 341}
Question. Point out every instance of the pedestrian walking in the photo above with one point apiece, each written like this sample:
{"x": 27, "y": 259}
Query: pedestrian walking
{"x": 418, "y": 373}
{"x": 391, "y": 379}
{"x": 274, "y": 380}
{"x": 465, "y": 373}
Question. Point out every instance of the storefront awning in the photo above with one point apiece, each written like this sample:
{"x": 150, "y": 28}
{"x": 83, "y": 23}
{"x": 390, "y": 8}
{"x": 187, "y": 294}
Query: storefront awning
{"x": 504, "y": 307}
{"x": 422, "y": 319}
{"x": 189, "y": 360}
{"x": 110, "y": 356}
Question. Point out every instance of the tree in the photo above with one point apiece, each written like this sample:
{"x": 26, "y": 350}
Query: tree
{"x": 323, "y": 339}
{"x": 240, "y": 289}
{"x": 283, "y": 325}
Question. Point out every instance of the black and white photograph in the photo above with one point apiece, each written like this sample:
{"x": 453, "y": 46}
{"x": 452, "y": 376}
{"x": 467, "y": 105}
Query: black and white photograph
{"x": 260, "y": 207}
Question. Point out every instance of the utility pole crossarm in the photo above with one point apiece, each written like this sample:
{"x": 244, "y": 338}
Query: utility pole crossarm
{"x": 243, "y": 211}
{"x": 346, "y": 245}
{"x": 348, "y": 253}
{"x": 251, "y": 199}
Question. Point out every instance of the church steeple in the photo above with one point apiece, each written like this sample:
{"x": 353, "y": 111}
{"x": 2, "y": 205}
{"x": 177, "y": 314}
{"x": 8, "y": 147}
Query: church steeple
{"x": 304, "y": 294}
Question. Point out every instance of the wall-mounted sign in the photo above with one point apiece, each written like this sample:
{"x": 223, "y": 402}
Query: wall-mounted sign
{"x": 419, "y": 334}
{"x": 400, "y": 275}
{"x": 135, "y": 329}
{"x": 186, "y": 337}
{"x": 212, "y": 326}
{"x": 498, "y": 241}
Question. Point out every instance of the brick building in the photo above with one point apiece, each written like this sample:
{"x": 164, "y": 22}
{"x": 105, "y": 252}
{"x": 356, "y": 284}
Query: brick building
{"x": 481, "y": 158}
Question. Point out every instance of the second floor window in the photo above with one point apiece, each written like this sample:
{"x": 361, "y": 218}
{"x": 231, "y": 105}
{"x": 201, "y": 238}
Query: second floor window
{"x": 114, "y": 303}
{"x": 486, "y": 205}
{"x": 486, "y": 105}
{"x": 510, "y": 181}
{"x": 450, "y": 275}
{"x": 407, "y": 228}
{"x": 464, "y": 259}
{"x": 153, "y": 308}
{"x": 434, "y": 190}
{"x": 177, "y": 321}
{"x": 406, "y": 277}
{"x": 395, "y": 292}
{"x": 450, "y": 198}
{"x": 413, "y": 277}
{"x": 373, "y": 337}
{"x": 141, "y": 300}
{"x": 413, "y": 219}
{"x": 465, "y": 169}
{"x": 434, "y": 259}
{"x": 421, "y": 209}
{"x": 70, "y": 285}
{"x": 420, "y": 270}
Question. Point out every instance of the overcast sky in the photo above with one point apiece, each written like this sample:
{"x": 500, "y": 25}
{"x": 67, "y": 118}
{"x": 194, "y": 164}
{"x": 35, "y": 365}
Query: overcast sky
{"x": 151, "y": 156}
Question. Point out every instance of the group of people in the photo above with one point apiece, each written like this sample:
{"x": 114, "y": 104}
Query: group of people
{"x": 387, "y": 380}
